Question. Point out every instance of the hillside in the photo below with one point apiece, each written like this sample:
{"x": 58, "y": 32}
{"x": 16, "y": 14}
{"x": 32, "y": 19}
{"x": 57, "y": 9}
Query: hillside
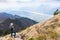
{"x": 48, "y": 30}
{"x": 20, "y": 23}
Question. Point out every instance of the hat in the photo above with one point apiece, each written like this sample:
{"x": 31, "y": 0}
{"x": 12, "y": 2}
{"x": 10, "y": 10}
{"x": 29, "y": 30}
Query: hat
{"x": 11, "y": 24}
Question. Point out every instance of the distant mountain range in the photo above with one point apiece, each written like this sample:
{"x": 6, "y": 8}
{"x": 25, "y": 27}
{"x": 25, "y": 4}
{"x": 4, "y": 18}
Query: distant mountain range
{"x": 4, "y": 16}
{"x": 19, "y": 22}
{"x": 39, "y": 17}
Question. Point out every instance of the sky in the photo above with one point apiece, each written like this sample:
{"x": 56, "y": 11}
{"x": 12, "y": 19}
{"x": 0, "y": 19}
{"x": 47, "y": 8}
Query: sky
{"x": 34, "y": 9}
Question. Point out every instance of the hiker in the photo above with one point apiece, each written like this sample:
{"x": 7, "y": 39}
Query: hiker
{"x": 12, "y": 30}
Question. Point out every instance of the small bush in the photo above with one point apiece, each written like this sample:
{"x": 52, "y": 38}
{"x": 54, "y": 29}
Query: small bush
{"x": 27, "y": 37}
{"x": 28, "y": 30}
{"x": 56, "y": 12}
{"x": 1, "y": 32}
{"x": 22, "y": 29}
{"x": 31, "y": 38}
{"x": 41, "y": 37}
{"x": 6, "y": 32}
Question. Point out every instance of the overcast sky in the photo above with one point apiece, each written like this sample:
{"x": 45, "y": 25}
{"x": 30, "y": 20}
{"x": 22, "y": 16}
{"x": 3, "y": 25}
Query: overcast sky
{"x": 37, "y": 7}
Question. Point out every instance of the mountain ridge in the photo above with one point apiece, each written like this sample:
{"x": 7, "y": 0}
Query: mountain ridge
{"x": 48, "y": 30}
{"x": 20, "y": 23}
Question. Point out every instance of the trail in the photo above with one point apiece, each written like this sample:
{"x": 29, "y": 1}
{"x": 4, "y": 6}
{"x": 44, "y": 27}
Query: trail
{"x": 18, "y": 37}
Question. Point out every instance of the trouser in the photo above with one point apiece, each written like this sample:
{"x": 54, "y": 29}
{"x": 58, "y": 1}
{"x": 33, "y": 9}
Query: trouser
{"x": 14, "y": 34}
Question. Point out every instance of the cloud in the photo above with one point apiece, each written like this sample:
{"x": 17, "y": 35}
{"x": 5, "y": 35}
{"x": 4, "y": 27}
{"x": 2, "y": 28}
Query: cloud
{"x": 25, "y": 0}
{"x": 39, "y": 16}
{"x": 32, "y": 5}
{"x": 40, "y": 8}
{"x": 35, "y": 15}
{"x": 11, "y": 4}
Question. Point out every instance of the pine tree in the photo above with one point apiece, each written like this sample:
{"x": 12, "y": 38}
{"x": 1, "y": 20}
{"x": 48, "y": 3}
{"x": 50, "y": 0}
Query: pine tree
{"x": 56, "y": 12}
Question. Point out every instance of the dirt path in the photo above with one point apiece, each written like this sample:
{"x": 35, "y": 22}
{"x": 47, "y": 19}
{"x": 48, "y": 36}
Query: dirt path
{"x": 18, "y": 37}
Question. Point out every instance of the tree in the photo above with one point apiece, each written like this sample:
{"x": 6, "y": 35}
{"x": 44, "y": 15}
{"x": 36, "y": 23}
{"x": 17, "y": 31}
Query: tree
{"x": 56, "y": 12}
{"x": 1, "y": 32}
{"x": 7, "y": 31}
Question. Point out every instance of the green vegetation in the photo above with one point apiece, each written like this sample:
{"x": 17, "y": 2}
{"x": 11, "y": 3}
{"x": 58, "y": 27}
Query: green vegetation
{"x": 1, "y": 32}
{"x": 5, "y": 32}
{"x": 28, "y": 30}
{"x": 41, "y": 37}
{"x": 31, "y": 38}
{"x": 27, "y": 37}
{"x": 56, "y": 12}
{"x": 22, "y": 29}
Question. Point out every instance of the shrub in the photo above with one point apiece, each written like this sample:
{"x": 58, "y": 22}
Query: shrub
{"x": 28, "y": 30}
{"x": 41, "y": 37}
{"x": 56, "y": 12}
{"x": 27, "y": 37}
{"x": 7, "y": 31}
{"x": 1, "y": 32}
{"x": 31, "y": 38}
